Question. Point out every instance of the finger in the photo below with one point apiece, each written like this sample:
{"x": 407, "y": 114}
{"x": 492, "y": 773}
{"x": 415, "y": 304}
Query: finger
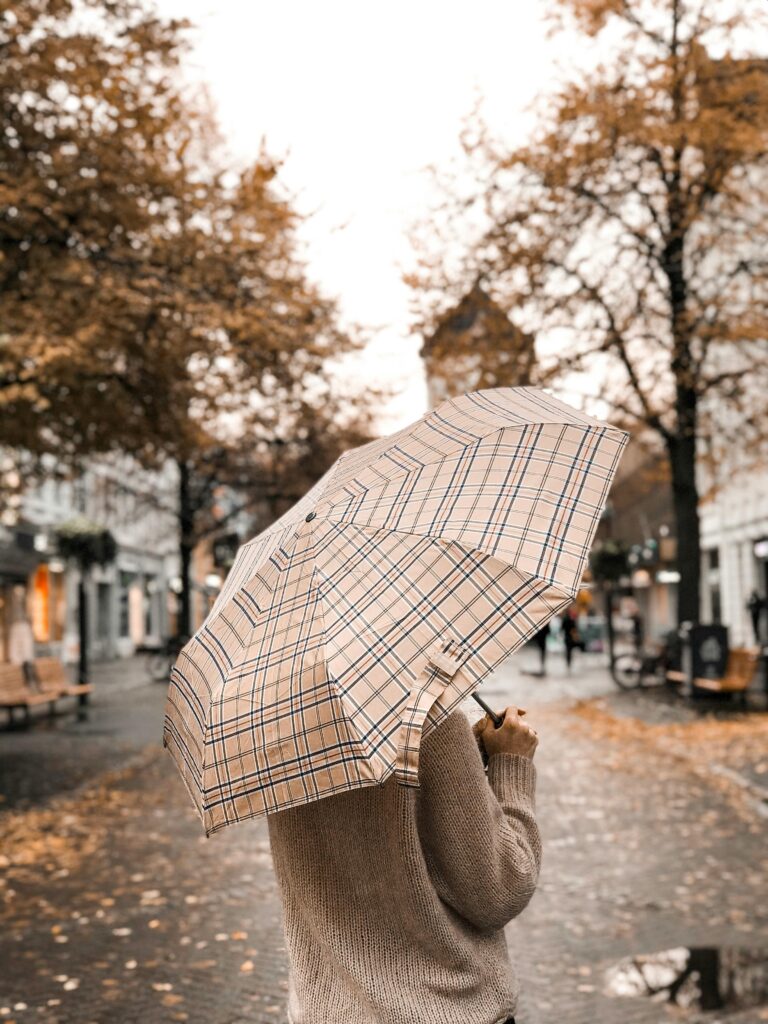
{"x": 488, "y": 724}
{"x": 518, "y": 725}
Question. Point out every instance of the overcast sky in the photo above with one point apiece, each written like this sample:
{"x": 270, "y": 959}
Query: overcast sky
{"x": 360, "y": 98}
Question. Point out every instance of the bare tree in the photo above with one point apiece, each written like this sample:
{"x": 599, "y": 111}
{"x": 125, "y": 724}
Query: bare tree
{"x": 632, "y": 230}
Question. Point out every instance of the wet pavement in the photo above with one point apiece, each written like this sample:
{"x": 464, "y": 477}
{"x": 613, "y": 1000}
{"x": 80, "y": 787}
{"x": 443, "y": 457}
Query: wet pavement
{"x": 115, "y": 908}
{"x": 59, "y": 754}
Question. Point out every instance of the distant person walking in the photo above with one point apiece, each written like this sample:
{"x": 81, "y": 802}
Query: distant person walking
{"x": 637, "y": 628}
{"x": 755, "y": 606}
{"x": 396, "y": 898}
{"x": 571, "y": 634}
{"x": 540, "y": 639}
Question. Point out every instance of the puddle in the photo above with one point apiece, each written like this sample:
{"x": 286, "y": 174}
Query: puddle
{"x": 700, "y": 977}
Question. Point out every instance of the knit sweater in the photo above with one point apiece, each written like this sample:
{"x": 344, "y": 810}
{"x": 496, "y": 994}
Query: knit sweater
{"x": 395, "y": 898}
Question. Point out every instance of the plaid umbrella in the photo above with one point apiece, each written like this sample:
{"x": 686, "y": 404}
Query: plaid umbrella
{"x": 358, "y": 621}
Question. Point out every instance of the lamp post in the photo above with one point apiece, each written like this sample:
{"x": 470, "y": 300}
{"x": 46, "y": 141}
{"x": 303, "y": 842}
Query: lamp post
{"x": 608, "y": 562}
{"x": 87, "y": 544}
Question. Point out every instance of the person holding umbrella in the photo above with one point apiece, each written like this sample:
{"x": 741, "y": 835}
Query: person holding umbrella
{"x": 395, "y": 898}
{"x": 324, "y": 692}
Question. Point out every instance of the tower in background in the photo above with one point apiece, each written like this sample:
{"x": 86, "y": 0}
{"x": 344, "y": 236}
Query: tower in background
{"x": 474, "y": 346}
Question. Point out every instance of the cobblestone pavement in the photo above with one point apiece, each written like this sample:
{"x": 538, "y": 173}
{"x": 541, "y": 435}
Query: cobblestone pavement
{"x": 115, "y": 908}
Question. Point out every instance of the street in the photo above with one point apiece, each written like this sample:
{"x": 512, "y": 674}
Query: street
{"x": 337, "y": 386}
{"x": 115, "y": 907}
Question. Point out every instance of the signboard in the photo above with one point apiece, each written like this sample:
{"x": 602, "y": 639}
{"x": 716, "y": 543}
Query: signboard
{"x": 709, "y": 651}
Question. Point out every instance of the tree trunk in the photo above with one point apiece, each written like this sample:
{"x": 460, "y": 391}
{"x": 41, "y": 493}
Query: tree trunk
{"x": 682, "y": 454}
{"x": 681, "y": 443}
{"x": 186, "y": 545}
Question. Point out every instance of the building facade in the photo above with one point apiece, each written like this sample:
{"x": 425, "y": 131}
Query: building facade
{"x": 734, "y": 533}
{"x": 131, "y": 602}
{"x": 640, "y": 515}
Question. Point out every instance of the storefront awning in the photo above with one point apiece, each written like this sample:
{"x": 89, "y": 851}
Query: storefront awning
{"x": 16, "y": 563}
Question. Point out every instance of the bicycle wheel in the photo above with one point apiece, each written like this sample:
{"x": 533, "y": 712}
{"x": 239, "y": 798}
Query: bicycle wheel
{"x": 159, "y": 667}
{"x": 627, "y": 671}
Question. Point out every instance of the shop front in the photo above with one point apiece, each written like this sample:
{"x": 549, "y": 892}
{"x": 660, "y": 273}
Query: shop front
{"x": 39, "y": 597}
{"x": 142, "y": 606}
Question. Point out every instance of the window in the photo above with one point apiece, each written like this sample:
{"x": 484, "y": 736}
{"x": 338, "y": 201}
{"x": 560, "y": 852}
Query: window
{"x": 103, "y": 610}
{"x": 712, "y": 564}
{"x": 124, "y": 625}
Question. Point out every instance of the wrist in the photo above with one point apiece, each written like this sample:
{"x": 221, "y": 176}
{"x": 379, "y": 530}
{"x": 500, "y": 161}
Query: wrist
{"x": 515, "y": 770}
{"x": 511, "y": 753}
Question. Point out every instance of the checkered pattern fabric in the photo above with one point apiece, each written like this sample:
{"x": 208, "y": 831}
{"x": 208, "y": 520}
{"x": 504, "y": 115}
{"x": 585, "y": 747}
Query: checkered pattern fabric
{"x": 319, "y": 667}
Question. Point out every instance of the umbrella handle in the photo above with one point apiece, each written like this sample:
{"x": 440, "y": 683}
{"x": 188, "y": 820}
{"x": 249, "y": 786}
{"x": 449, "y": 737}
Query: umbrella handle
{"x": 497, "y": 719}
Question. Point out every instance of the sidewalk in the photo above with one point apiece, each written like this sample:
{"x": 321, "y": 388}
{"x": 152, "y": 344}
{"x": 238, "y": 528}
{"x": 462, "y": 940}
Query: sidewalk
{"x": 115, "y": 908}
{"x": 714, "y": 737}
{"x": 55, "y": 756}
{"x": 642, "y": 854}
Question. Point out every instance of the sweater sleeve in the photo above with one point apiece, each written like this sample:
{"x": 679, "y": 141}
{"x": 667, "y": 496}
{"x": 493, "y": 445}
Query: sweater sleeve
{"x": 479, "y": 834}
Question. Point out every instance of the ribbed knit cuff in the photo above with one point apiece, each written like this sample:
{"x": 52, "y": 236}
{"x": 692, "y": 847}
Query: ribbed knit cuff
{"x": 512, "y": 773}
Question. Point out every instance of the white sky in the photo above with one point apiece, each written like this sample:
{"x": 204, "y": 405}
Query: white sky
{"x": 360, "y": 98}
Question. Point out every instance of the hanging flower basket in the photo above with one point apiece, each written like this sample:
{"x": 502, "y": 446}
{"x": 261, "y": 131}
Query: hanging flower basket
{"x": 608, "y": 562}
{"x": 85, "y": 542}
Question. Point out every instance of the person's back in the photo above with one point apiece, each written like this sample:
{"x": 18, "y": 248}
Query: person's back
{"x": 395, "y": 898}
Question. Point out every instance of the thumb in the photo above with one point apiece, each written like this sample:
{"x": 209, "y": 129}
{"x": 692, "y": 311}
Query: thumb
{"x": 479, "y": 725}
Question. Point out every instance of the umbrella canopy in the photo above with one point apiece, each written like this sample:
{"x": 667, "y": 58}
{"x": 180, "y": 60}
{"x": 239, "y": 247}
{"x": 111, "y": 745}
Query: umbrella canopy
{"x": 351, "y": 627}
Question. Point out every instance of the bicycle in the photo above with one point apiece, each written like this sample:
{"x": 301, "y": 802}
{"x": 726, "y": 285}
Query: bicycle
{"x": 160, "y": 660}
{"x": 644, "y": 668}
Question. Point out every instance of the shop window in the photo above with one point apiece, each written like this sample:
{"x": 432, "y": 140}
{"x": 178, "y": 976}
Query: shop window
{"x": 41, "y": 604}
{"x": 103, "y": 610}
{"x": 150, "y": 590}
{"x": 124, "y": 616}
{"x": 712, "y": 563}
{"x": 136, "y": 612}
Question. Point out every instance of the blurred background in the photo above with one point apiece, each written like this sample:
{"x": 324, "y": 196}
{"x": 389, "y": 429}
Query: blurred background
{"x": 236, "y": 241}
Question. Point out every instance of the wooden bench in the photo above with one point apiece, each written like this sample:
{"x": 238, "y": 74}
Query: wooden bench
{"x": 51, "y": 677}
{"x": 739, "y": 673}
{"x": 675, "y": 676}
{"x": 16, "y": 693}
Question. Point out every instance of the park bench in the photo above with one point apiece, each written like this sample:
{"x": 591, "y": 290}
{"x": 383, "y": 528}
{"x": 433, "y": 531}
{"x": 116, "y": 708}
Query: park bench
{"x": 16, "y": 693}
{"x": 675, "y": 676}
{"x": 739, "y": 673}
{"x": 51, "y": 677}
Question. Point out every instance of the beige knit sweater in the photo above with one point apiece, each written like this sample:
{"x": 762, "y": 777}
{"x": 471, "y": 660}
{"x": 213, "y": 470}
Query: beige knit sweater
{"x": 395, "y": 898}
